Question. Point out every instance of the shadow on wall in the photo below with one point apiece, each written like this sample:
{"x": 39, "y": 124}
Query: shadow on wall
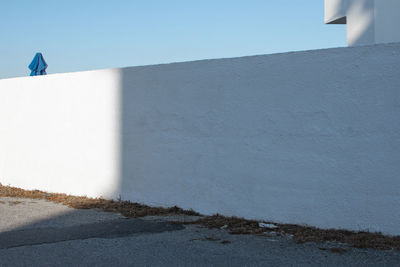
{"x": 180, "y": 144}
{"x": 184, "y": 129}
{"x": 158, "y": 157}
{"x": 227, "y": 136}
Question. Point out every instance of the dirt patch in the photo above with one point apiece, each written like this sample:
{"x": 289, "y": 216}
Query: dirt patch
{"x": 234, "y": 225}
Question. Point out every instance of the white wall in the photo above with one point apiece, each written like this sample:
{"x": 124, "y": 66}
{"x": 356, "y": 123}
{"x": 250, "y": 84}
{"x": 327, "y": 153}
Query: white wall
{"x": 60, "y": 132}
{"x": 387, "y": 27}
{"x": 307, "y": 137}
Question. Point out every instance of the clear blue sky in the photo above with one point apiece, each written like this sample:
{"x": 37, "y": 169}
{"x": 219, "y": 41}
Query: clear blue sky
{"x": 94, "y": 34}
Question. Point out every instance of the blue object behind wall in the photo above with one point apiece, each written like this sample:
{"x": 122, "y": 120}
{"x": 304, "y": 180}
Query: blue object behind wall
{"x": 38, "y": 66}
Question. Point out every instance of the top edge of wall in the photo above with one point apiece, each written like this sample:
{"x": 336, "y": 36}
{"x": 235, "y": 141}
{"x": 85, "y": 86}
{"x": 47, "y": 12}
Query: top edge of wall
{"x": 397, "y": 44}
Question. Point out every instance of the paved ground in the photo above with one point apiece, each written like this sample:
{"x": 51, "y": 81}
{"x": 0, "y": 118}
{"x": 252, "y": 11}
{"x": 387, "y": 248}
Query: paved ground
{"x": 41, "y": 233}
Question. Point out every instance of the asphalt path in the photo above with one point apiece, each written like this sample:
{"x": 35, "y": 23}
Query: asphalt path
{"x": 42, "y": 233}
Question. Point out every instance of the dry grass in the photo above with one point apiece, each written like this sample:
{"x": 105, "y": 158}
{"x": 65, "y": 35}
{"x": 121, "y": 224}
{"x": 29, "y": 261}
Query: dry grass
{"x": 303, "y": 234}
{"x": 126, "y": 208}
{"x": 234, "y": 225}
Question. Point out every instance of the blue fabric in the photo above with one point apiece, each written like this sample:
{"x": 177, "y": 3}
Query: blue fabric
{"x": 38, "y": 66}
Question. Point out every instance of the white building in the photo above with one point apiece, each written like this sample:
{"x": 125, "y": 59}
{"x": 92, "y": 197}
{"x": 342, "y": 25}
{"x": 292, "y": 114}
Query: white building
{"x": 368, "y": 21}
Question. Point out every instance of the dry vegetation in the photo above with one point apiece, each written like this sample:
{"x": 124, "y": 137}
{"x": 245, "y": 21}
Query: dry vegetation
{"x": 126, "y": 208}
{"x": 303, "y": 234}
{"x": 234, "y": 225}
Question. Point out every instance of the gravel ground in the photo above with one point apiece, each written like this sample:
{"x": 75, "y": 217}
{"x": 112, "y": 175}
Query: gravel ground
{"x": 25, "y": 213}
{"x": 42, "y": 233}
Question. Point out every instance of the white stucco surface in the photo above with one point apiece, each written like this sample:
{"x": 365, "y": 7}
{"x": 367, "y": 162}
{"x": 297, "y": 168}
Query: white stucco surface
{"x": 60, "y": 133}
{"x": 361, "y": 22}
{"x": 335, "y": 10}
{"x": 387, "y": 28}
{"x": 368, "y": 21}
{"x": 307, "y": 137}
